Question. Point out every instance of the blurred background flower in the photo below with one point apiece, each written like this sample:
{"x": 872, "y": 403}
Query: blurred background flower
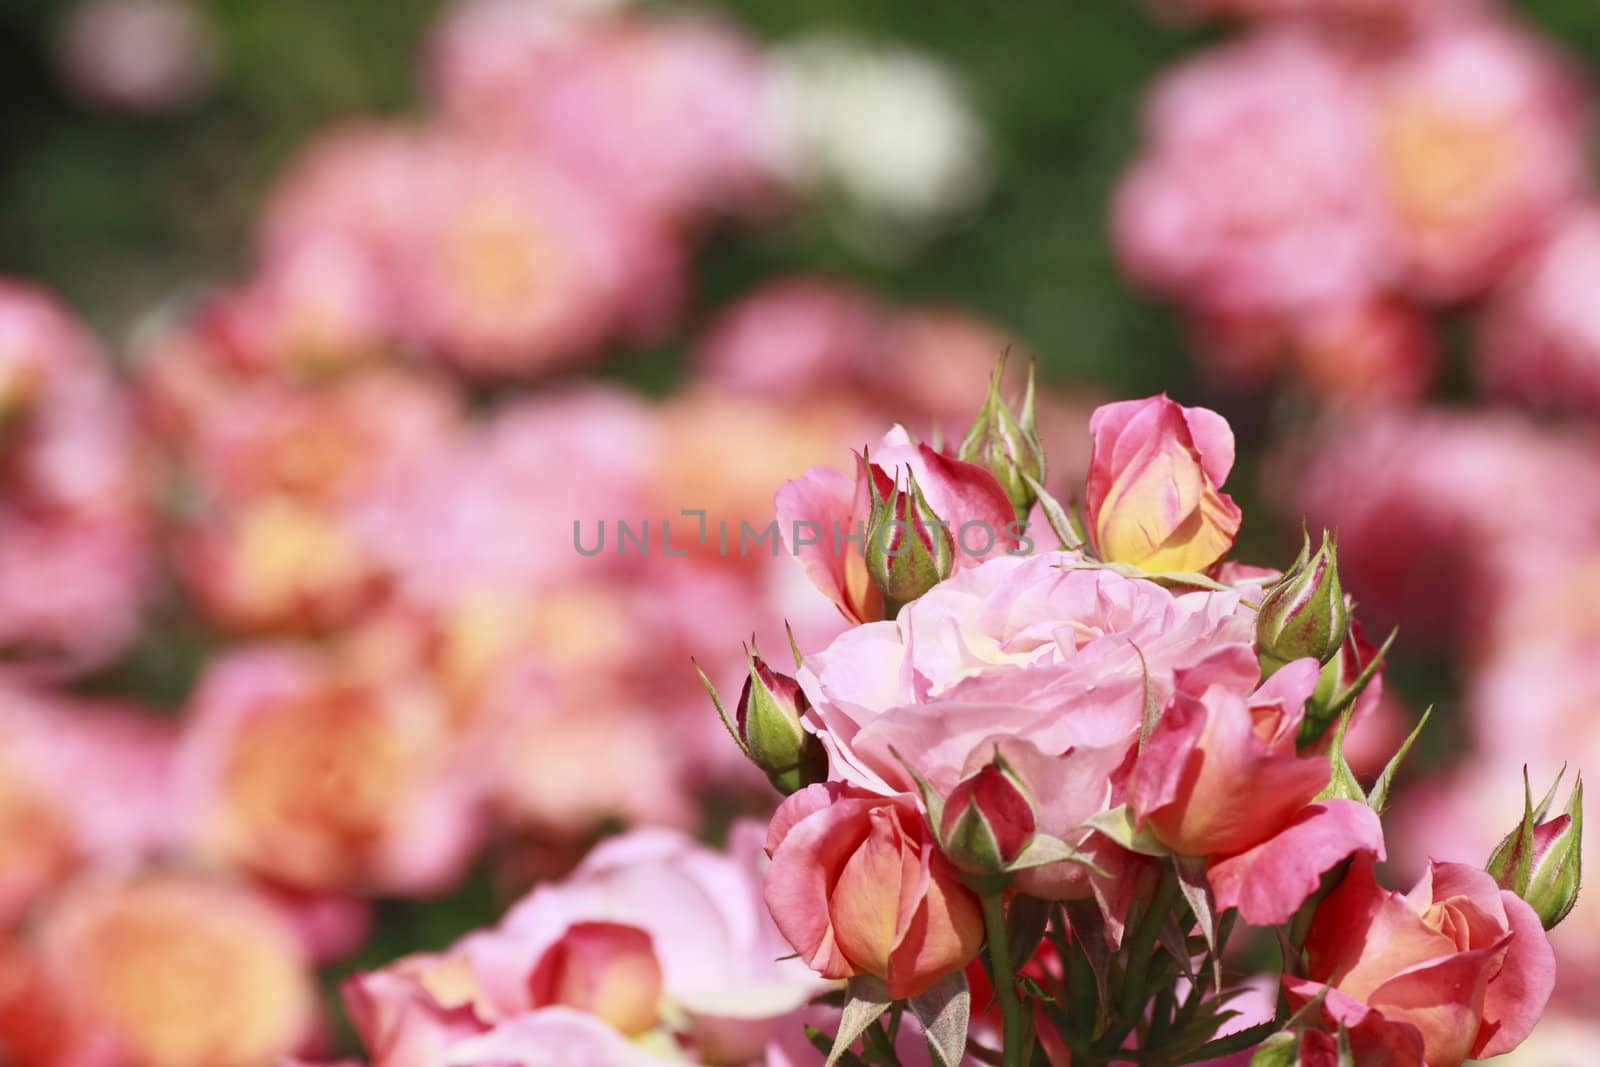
{"x": 335, "y": 338}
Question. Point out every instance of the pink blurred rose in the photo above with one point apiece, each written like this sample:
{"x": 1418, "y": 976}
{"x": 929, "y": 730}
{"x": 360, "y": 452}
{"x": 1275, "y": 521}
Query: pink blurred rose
{"x": 282, "y": 530}
{"x": 1459, "y": 963}
{"x": 857, "y": 886}
{"x": 1380, "y": 349}
{"x": 667, "y": 112}
{"x": 81, "y": 784}
{"x": 1252, "y": 172}
{"x": 1426, "y": 505}
{"x": 1539, "y": 341}
{"x": 74, "y": 533}
{"x": 325, "y": 778}
{"x": 515, "y": 267}
{"x": 1154, "y": 497}
{"x": 494, "y": 260}
{"x": 1480, "y": 146}
{"x": 794, "y": 335}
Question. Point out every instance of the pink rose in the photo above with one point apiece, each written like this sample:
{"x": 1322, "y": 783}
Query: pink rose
{"x": 1480, "y": 134}
{"x": 1539, "y": 341}
{"x": 1267, "y": 843}
{"x": 1457, "y": 961}
{"x": 81, "y": 784}
{"x": 315, "y": 772}
{"x": 1154, "y": 495}
{"x": 989, "y": 658}
{"x": 75, "y": 544}
{"x": 1250, "y": 195}
{"x": 858, "y": 887}
{"x": 653, "y": 938}
{"x": 795, "y": 335}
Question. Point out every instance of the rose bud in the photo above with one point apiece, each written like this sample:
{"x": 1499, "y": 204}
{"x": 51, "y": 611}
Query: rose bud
{"x": 771, "y": 706}
{"x": 909, "y": 548}
{"x": 1007, "y": 445}
{"x": 1541, "y": 860}
{"x": 1352, "y": 677}
{"x": 766, "y": 725}
{"x": 988, "y": 820}
{"x": 1154, "y": 497}
{"x": 1305, "y": 613}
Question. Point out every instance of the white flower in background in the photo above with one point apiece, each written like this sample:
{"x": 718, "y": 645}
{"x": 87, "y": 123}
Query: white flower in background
{"x": 141, "y": 56}
{"x": 891, "y": 130}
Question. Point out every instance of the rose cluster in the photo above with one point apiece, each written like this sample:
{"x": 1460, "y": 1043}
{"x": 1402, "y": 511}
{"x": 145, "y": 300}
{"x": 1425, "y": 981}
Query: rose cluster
{"x": 1102, "y": 756}
{"x": 1313, "y": 191}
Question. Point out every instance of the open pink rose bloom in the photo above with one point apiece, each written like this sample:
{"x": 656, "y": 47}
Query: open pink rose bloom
{"x": 590, "y": 533}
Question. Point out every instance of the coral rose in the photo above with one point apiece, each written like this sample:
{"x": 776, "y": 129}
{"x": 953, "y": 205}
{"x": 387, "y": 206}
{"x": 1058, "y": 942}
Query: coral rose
{"x": 857, "y": 887}
{"x": 1458, "y": 961}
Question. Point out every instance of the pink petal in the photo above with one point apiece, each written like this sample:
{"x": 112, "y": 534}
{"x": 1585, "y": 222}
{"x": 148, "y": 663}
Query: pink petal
{"x": 1517, "y": 995}
{"x": 1270, "y": 882}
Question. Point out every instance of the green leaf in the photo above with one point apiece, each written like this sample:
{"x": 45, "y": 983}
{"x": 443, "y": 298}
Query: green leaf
{"x": 1185, "y": 579}
{"x": 866, "y": 999}
{"x": 1378, "y": 798}
{"x": 944, "y": 1012}
{"x": 1044, "y": 850}
{"x": 1117, "y": 824}
{"x": 722, "y": 712}
{"x": 1060, "y": 522}
{"x": 1197, "y": 894}
{"x": 1026, "y": 920}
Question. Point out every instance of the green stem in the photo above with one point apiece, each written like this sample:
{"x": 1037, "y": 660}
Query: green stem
{"x": 1005, "y": 979}
{"x": 1141, "y": 949}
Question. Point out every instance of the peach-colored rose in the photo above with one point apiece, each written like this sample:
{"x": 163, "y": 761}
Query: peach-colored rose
{"x": 325, "y": 778}
{"x": 161, "y": 971}
{"x": 1459, "y": 962}
{"x": 857, "y": 887}
{"x": 1154, "y": 495}
{"x": 285, "y": 482}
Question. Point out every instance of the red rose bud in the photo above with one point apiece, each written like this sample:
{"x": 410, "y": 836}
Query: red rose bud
{"x": 1305, "y": 613}
{"x": 988, "y": 820}
{"x": 1006, "y": 444}
{"x": 767, "y": 724}
{"x": 1541, "y": 859}
{"x": 909, "y": 548}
